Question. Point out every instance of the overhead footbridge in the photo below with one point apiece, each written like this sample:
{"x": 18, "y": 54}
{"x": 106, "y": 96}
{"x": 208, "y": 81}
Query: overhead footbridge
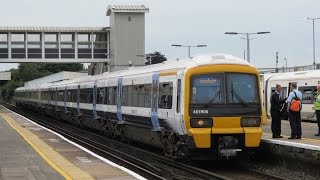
{"x": 111, "y": 48}
{"x": 53, "y": 44}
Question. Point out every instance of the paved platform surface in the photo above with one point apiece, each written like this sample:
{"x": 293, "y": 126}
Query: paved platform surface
{"x": 29, "y": 151}
{"x": 18, "y": 160}
{"x": 308, "y": 131}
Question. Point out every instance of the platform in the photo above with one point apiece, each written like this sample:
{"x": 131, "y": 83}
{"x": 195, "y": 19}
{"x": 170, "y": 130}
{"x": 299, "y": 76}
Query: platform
{"x": 300, "y": 155}
{"x": 309, "y": 140}
{"x": 29, "y": 151}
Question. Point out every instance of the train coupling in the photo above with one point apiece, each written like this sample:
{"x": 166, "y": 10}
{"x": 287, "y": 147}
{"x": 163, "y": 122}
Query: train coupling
{"x": 229, "y": 152}
{"x": 228, "y": 146}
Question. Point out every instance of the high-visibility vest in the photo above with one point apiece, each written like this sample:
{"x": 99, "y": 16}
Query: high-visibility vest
{"x": 317, "y": 103}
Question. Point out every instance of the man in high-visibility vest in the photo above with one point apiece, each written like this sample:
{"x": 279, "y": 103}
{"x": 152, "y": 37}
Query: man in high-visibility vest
{"x": 317, "y": 107}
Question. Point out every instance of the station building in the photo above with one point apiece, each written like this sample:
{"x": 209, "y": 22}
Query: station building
{"x": 112, "y": 48}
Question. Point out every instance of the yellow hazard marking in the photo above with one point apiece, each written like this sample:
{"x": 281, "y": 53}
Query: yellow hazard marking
{"x": 67, "y": 169}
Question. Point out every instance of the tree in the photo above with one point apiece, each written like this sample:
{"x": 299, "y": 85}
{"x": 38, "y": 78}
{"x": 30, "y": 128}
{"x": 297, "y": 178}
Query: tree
{"x": 156, "y": 57}
{"x": 55, "y": 68}
{"x": 29, "y": 71}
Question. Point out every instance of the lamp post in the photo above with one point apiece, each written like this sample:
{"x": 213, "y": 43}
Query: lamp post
{"x": 286, "y": 63}
{"x": 248, "y": 39}
{"x": 147, "y": 56}
{"x": 189, "y": 47}
{"x": 277, "y": 61}
{"x": 314, "y": 41}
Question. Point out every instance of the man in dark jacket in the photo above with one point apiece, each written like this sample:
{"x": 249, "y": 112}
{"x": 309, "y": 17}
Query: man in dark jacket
{"x": 276, "y": 105}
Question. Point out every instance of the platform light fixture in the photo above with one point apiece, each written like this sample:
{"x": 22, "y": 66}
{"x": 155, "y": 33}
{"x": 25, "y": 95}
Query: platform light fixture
{"x": 189, "y": 47}
{"x": 248, "y": 39}
{"x": 314, "y": 41}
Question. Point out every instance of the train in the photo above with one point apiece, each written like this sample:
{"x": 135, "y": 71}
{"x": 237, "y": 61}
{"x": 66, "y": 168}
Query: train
{"x": 306, "y": 81}
{"x": 208, "y": 104}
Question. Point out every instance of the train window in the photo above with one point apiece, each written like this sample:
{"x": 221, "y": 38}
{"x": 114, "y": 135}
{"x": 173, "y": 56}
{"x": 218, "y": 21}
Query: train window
{"x": 129, "y": 96}
{"x": 135, "y": 95}
{"x": 86, "y": 95}
{"x": 141, "y": 95}
{"x": 283, "y": 93}
{"x": 241, "y": 87}
{"x": 99, "y": 98}
{"x": 178, "y": 95}
{"x": 69, "y": 96}
{"x": 147, "y": 100}
{"x": 106, "y": 97}
{"x": 112, "y": 95}
{"x": 60, "y": 96}
{"x": 308, "y": 94}
{"x": 207, "y": 88}
{"x": 124, "y": 98}
{"x": 73, "y": 95}
{"x": 165, "y": 95}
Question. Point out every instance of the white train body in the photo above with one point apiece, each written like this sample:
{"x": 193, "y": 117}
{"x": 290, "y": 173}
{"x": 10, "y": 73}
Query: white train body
{"x": 306, "y": 81}
{"x": 155, "y": 99}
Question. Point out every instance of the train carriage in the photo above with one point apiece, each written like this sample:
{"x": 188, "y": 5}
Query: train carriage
{"x": 306, "y": 81}
{"x": 209, "y": 103}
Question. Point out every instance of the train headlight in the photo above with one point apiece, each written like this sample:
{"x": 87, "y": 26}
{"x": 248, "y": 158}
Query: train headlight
{"x": 201, "y": 123}
{"x": 250, "y": 121}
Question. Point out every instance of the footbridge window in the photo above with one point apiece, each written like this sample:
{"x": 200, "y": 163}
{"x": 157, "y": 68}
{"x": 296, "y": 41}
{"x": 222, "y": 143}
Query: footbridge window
{"x": 4, "y": 45}
{"x": 51, "y": 46}
{"x": 67, "y": 46}
{"x": 18, "y": 46}
{"x": 34, "y": 45}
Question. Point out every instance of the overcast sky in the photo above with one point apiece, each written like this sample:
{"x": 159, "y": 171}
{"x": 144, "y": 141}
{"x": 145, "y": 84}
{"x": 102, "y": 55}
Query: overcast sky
{"x": 191, "y": 22}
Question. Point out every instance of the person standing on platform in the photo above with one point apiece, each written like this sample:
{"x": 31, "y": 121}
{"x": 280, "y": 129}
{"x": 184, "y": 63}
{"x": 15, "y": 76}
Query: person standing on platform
{"x": 276, "y": 105}
{"x": 317, "y": 108}
{"x": 294, "y": 108}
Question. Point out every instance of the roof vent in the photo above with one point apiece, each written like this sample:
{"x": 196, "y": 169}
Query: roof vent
{"x": 218, "y": 57}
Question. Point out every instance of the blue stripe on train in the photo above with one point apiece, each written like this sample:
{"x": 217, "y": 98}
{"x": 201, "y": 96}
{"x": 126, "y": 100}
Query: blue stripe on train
{"x": 154, "y": 102}
{"x": 94, "y": 103}
{"x": 119, "y": 94}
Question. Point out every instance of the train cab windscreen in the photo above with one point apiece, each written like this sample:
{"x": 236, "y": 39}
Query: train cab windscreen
{"x": 225, "y": 94}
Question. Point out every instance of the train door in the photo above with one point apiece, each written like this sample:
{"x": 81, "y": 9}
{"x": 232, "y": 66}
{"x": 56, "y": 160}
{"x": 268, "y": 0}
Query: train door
{"x": 154, "y": 102}
{"x": 289, "y": 87}
{"x": 179, "y": 105}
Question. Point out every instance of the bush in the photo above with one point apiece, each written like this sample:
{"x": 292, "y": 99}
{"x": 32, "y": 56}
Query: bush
{"x": 7, "y": 90}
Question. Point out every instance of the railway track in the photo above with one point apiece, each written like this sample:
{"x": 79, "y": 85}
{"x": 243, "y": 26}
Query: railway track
{"x": 148, "y": 164}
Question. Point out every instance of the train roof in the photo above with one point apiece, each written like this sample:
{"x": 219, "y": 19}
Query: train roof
{"x": 188, "y": 63}
{"x": 298, "y": 75}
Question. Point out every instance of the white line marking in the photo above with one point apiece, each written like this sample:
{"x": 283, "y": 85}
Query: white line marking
{"x": 292, "y": 144}
{"x": 54, "y": 140}
{"x": 84, "y": 159}
{"x": 86, "y": 150}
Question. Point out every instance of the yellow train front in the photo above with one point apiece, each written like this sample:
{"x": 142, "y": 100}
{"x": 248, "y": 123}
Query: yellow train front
{"x": 223, "y": 111}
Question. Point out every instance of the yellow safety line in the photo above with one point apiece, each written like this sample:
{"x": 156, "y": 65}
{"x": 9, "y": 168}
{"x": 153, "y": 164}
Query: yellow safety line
{"x": 44, "y": 154}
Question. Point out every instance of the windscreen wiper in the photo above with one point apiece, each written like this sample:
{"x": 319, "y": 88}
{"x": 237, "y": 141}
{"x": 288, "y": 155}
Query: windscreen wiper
{"x": 237, "y": 96}
{"x": 213, "y": 98}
